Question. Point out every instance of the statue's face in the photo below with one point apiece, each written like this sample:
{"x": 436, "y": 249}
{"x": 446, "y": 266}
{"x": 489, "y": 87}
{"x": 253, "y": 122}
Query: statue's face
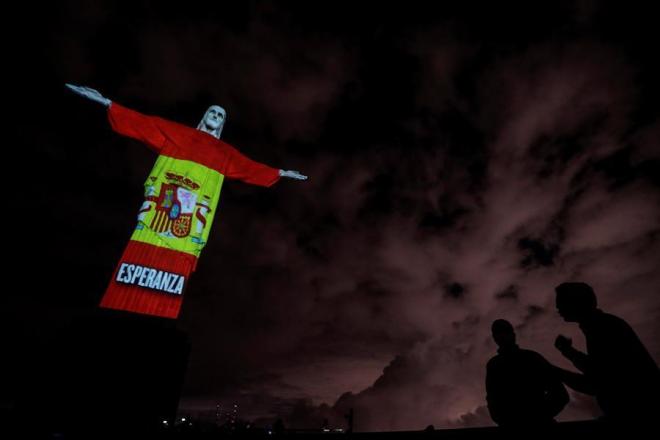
{"x": 215, "y": 117}
{"x": 213, "y": 121}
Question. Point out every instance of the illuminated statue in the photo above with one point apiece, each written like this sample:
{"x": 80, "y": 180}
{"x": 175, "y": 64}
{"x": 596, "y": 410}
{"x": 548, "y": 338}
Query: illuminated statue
{"x": 181, "y": 195}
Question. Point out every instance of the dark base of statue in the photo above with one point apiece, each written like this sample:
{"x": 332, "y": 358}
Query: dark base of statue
{"x": 107, "y": 373}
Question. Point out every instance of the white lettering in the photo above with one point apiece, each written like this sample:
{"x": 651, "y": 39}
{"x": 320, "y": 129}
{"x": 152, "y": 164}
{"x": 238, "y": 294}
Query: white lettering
{"x": 165, "y": 281}
{"x": 129, "y": 273}
{"x": 137, "y": 273}
{"x": 179, "y": 287}
{"x": 150, "y": 278}
{"x": 145, "y": 271}
{"x": 157, "y": 280}
{"x": 120, "y": 272}
{"x": 170, "y": 287}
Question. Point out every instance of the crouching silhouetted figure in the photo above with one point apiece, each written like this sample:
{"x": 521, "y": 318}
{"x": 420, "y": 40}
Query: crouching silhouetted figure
{"x": 617, "y": 368}
{"x": 523, "y": 389}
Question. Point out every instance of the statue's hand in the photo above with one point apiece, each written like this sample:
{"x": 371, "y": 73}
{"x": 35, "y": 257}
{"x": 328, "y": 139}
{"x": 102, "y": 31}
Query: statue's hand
{"x": 292, "y": 174}
{"x": 563, "y": 343}
{"x": 89, "y": 93}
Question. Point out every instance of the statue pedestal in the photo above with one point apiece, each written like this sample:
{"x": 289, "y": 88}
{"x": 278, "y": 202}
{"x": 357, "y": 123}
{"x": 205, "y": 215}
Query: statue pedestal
{"x": 110, "y": 372}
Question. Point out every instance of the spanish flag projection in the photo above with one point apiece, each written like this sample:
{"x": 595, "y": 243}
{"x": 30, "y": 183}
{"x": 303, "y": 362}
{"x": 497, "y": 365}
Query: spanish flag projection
{"x": 180, "y": 198}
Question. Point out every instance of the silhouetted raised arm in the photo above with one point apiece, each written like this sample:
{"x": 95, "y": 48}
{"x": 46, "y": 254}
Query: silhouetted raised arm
{"x": 579, "y": 359}
{"x": 578, "y": 382}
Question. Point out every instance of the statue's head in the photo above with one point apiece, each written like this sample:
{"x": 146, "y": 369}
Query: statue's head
{"x": 213, "y": 121}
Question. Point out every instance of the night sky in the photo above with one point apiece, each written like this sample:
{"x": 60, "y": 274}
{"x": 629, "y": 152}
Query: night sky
{"x": 463, "y": 161}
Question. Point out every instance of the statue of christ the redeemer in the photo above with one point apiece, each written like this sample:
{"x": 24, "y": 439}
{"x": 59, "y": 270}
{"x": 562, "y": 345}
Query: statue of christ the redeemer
{"x": 180, "y": 199}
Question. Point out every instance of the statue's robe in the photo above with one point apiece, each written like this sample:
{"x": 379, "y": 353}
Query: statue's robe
{"x": 181, "y": 196}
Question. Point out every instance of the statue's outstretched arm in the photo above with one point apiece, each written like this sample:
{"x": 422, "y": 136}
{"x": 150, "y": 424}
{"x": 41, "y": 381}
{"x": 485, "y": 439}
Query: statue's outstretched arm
{"x": 89, "y": 93}
{"x": 292, "y": 174}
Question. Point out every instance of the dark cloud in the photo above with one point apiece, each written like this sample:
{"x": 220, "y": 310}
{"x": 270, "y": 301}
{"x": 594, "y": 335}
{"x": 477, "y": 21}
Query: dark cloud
{"x": 510, "y": 292}
{"x": 536, "y": 253}
{"x": 455, "y": 291}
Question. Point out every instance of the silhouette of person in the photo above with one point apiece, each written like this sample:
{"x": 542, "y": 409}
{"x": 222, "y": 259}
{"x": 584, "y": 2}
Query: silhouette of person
{"x": 523, "y": 389}
{"x": 617, "y": 368}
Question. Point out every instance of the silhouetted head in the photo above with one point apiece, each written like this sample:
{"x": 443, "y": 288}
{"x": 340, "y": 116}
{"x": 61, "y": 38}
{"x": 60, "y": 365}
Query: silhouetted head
{"x": 503, "y": 333}
{"x": 575, "y": 301}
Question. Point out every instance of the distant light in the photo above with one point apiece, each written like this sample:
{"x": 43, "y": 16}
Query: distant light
{"x": 183, "y": 419}
{"x": 326, "y": 430}
{"x": 164, "y": 422}
{"x": 270, "y": 432}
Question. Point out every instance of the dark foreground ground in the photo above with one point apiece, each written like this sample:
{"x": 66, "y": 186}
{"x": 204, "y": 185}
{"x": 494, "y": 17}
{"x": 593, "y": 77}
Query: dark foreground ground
{"x": 16, "y": 429}
{"x": 115, "y": 376}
